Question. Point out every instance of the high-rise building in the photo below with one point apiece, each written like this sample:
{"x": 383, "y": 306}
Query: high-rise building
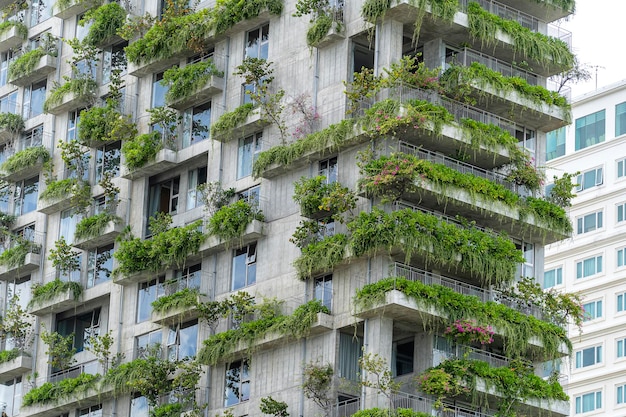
{"x": 310, "y": 227}
{"x": 592, "y": 261}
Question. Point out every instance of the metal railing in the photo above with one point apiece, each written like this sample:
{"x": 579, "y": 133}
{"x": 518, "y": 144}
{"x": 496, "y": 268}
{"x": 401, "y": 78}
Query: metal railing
{"x": 91, "y": 367}
{"x": 467, "y": 57}
{"x": 428, "y": 406}
{"x": 401, "y": 205}
{"x": 462, "y": 351}
{"x": 190, "y": 281}
{"x": 415, "y": 274}
{"x": 346, "y": 408}
{"x": 461, "y": 167}
{"x": 31, "y": 238}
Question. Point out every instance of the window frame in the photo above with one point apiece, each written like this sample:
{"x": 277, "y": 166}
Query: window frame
{"x": 585, "y": 123}
{"x": 597, "y": 400}
{"x": 597, "y": 306}
{"x": 598, "y": 267}
{"x": 243, "y": 370}
{"x": 597, "y": 354}
{"x": 595, "y": 220}
{"x": 248, "y": 153}
{"x": 598, "y": 179}
{"x": 251, "y": 252}
{"x": 620, "y": 348}
{"x": 558, "y": 277}
{"x": 324, "y": 292}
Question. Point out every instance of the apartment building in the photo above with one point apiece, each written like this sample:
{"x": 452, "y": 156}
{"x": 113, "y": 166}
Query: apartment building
{"x": 305, "y": 217}
{"x": 592, "y": 261}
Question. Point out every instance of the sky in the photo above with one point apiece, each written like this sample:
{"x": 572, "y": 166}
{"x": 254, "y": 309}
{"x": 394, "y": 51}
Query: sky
{"x": 598, "y": 28}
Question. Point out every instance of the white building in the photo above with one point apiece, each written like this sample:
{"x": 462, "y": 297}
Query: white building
{"x": 592, "y": 262}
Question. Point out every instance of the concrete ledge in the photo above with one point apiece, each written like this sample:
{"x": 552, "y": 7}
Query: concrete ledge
{"x": 32, "y": 262}
{"x": 213, "y": 86}
{"x": 15, "y": 367}
{"x": 45, "y": 66}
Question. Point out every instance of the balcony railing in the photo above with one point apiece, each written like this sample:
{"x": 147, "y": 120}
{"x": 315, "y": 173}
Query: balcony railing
{"x": 467, "y": 57}
{"x": 461, "y": 351}
{"x": 346, "y": 408}
{"x": 401, "y": 205}
{"x": 524, "y": 19}
{"x": 483, "y": 294}
{"x": 91, "y": 367}
{"x": 190, "y": 281}
{"x": 462, "y": 167}
{"x": 31, "y": 237}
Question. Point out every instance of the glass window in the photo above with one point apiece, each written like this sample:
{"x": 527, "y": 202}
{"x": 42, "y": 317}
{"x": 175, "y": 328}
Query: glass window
{"x": 187, "y": 278}
{"x": 589, "y": 267}
{"x": 196, "y": 124}
{"x": 324, "y": 291}
{"x": 31, "y": 138}
{"x": 621, "y": 343}
{"x": 620, "y": 119}
{"x": 108, "y": 160}
{"x": 555, "y": 143}
{"x": 182, "y": 341}
{"x": 257, "y": 42}
{"x": 34, "y": 97}
{"x": 593, "y": 310}
{"x": 621, "y": 212}
{"x": 11, "y": 396}
{"x": 553, "y": 277}
{"x": 402, "y": 357}
{"x": 588, "y": 402}
{"x": 158, "y": 91}
{"x": 25, "y": 196}
{"x": 195, "y": 178}
{"x": 148, "y": 292}
{"x": 244, "y": 266}
{"x": 82, "y": 327}
{"x": 72, "y": 125}
{"x": 249, "y": 149}
{"x": 589, "y": 222}
{"x": 147, "y": 342}
{"x": 99, "y": 265}
{"x": 163, "y": 197}
{"x": 93, "y": 411}
{"x": 590, "y": 130}
{"x": 5, "y": 60}
{"x": 621, "y": 394}
{"x": 8, "y": 103}
{"x": 621, "y": 168}
{"x": 113, "y": 57}
{"x": 589, "y": 179}
{"x": 588, "y": 357}
{"x": 40, "y": 10}
{"x": 350, "y": 349}
{"x": 69, "y": 220}
{"x": 620, "y": 257}
{"x": 139, "y": 406}
{"x": 328, "y": 168}
{"x": 237, "y": 384}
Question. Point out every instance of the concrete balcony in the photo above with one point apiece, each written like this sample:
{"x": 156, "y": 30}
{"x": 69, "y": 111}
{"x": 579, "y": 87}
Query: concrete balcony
{"x": 24, "y": 172}
{"x": 46, "y": 65}
{"x": 11, "y": 39}
{"x": 165, "y": 159}
{"x": 530, "y": 406}
{"x": 253, "y": 123}
{"x": 145, "y": 68}
{"x": 59, "y": 303}
{"x": 32, "y": 262}
{"x": 334, "y": 35}
{"x": 70, "y": 101}
{"x": 80, "y": 399}
{"x": 254, "y": 231}
{"x": 178, "y": 315}
{"x": 74, "y": 8}
{"x": 213, "y": 86}
{"x": 15, "y": 367}
{"x": 108, "y": 234}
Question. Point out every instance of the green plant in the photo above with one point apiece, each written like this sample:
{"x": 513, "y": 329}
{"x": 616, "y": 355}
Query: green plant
{"x": 142, "y": 149}
{"x": 25, "y": 159}
{"x": 83, "y": 88}
{"x": 561, "y": 193}
{"x": 398, "y": 412}
{"x": 317, "y": 383}
{"x": 316, "y": 195}
{"x": 15, "y": 256}
{"x": 100, "y": 346}
{"x": 318, "y": 29}
{"x": 230, "y": 222}
{"x": 183, "y": 82}
{"x": 185, "y": 298}
{"x": 553, "y": 217}
{"x": 9, "y": 355}
{"x": 25, "y": 64}
{"x": 378, "y": 376}
{"x": 273, "y": 407}
{"x": 165, "y": 249}
{"x": 439, "y": 383}
{"x": 227, "y": 13}
{"x": 55, "y": 392}
{"x": 64, "y": 4}
{"x": 21, "y": 28}
{"x": 63, "y": 258}
{"x": 92, "y": 226}
{"x": 491, "y": 136}
{"x": 230, "y": 120}
{"x": 516, "y": 327}
{"x": 16, "y": 325}
{"x": 60, "y": 351}
{"x": 72, "y": 187}
{"x": 106, "y": 124}
{"x": 46, "y": 292}
{"x": 321, "y": 255}
{"x": 12, "y": 122}
{"x": 105, "y": 20}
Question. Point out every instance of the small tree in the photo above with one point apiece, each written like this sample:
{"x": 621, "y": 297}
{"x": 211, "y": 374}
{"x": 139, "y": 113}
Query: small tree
{"x": 579, "y": 73}
{"x": 317, "y": 385}
{"x": 561, "y": 193}
{"x": 100, "y": 346}
{"x": 378, "y": 376}
{"x": 273, "y": 407}
{"x": 63, "y": 258}
{"x": 16, "y": 326}
{"x": 60, "y": 351}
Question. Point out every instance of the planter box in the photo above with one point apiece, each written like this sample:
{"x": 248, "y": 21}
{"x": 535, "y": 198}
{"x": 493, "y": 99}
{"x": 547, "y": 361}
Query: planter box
{"x": 254, "y": 231}
{"x": 113, "y": 39}
{"x": 25, "y": 172}
{"x": 254, "y": 123}
{"x": 134, "y": 278}
{"x": 61, "y": 302}
{"x": 331, "y": 37}
{"x": 165, "y": 159}
{"x": 74, "y": 9}
{"x": 15, "y": 367}
{"x": 55, "y": 205}
{"x": 70, "y": 101}
{"x": 92, "y": 396}
{"x": 177, "y": 315}
{"x": 31, "y": 263}
{"x": 143, "y": 69}
{"x": 107, "y": 236}
{"x": 45, "y": 66}
{"x": 10, "y": 39}
{"x": 213, "y": 86}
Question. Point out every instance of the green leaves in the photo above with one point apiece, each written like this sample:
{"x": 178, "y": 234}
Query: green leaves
{"x": 183, "y": 82}
{"x": 142, "y": 149}
{"x": 24, "y": 159}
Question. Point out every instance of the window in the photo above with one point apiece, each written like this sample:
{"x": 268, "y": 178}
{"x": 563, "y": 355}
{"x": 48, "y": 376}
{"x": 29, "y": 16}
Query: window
{"x": 237, "y": 385}
{"x": 350, "y": 349}
{"x": 82, "y": 327}
{"x": 252, "y": 196}
{"x": 40, "y": 10}
{"x": 163, "y": 197}
{"x": 621, "y": 302}
{"x": 69, "y": 220}
{"x": 328, "y": 168}
{"x": 8, "y": 103}
{"x": 147, "y": 342}
{"x": 621, "y": 394}
{"x": 324, "y": 290}
{"x": 249, "y": 149}
{"x": 621, "y": 212}
{"x": 113, "y": 57}
{"x": 589, "y": 179}
{"x": 620, "y": 119}
{"x": 588, "y": 357}
{"x": 25, "y": 196}
{"x": 589, "y": 222}
{"x": 590, "y": 130}
{"x": 148, "y": 292}
{"x": 257, "y": 42}
{"x": 244, "y": 266}
{"x": 196, "y": 124}
{"x": 593, "y": 310}
{"x": 82, "y": 26}
{"x": 553, "y": 277}
{"x": 34, "y": 96}
{"x": 72, "y": 125}
{"x": 158, "y": 91}
{"x": 195, "y": 178}
{"x": 555, "y": 143}
{"x": 139, "y": 406}
{"x": 99, "y": 265}
{"x": 588, "y": 402}
{"x": 589, "y": 267}
{"x": 527, "y": 269}
{"x": 182, "y": 341}
{"x": 620, "y": 257}
{"x": 6, "y": 58}
{"x": 621, "y": 168}
{"x": 621, "y": 344}
{"x": 186, "y": 278}
{"x": 31, "y": 138}
{"x": 93, "y": 411}
{"x": 108, "y": 160}
{"x": 11, "y": 396}
{"x": 402, "y": 357}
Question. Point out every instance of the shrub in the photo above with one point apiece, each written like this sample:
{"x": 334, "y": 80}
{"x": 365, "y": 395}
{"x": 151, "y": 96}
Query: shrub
{"x": 93, "y": 226}
{"x": 12, "y": 122}
{"x": 84, "y": 88}
{"x": 24, "y": 159}
{"x": 106, "y": 21}
{"x": 142, "y": 149}
{"x": 50, "y": 392}
{"x": 25, "y": 64}
{"x": 185, "y": 81}
{"x": 230, "y": 222}
{"x": 47, "y": 292}
{"x": 230, "y": 120}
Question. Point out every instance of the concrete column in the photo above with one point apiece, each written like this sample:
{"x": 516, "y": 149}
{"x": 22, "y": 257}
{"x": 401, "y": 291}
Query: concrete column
{"x": 379, "y": 339}
{"x": 434, "y": 53}
{"x": 389, "y": 44}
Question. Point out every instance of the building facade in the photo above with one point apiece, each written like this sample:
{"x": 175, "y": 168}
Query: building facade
{"x": 591, "y": 262}
{"x": 307, "y": 220}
